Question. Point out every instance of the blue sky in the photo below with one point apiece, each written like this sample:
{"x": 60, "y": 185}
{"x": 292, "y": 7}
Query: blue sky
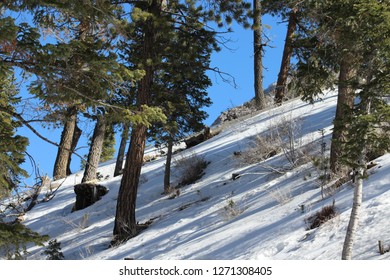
{"x": 237, "y": 61}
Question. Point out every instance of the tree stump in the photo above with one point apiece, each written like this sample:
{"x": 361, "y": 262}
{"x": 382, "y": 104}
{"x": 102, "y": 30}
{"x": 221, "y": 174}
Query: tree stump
{"x": 87, "y": 194}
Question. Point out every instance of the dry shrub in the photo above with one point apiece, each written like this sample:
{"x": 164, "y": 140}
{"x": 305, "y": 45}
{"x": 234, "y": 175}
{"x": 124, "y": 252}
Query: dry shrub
{"x": 282, "y": 196}
{"x": 263, "y": 147}
{"x": 231, "y": 210}
{"x": 283, "y": 137}
{"x": 190, "y": 169}
{"x": 325, "y": 214}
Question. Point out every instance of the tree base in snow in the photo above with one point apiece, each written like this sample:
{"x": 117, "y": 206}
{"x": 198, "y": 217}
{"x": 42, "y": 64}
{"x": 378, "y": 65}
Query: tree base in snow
{"x": 87, "y": 194}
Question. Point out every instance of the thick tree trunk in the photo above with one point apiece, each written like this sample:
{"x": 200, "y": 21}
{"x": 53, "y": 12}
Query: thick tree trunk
{"x": 167, "y": 173}
{"x": 258, "y": 56}
{"x": 95, "y": 150}
{"x": 75, "y": 140}
{"x": 121, "y": 151}
{"x": 345, "y": 102}
{"x": 64, "y": 150}
{"x": 281, "y": 84}
{"x": 125, "y": 221}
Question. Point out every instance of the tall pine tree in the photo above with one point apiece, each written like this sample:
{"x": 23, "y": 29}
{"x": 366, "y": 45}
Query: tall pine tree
{"x": 153, "y": 20}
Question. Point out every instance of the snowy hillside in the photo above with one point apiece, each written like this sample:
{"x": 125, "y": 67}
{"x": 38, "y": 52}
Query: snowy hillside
{"x": 262, "y": 214}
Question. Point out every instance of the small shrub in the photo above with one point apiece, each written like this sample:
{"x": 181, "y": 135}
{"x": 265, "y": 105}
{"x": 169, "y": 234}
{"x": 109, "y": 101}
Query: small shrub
{"x": 282, "y": 196}
{"x": 190, "y": 169}
{"x": 53, "y": 251}
{"x": 325, "y": 214}
{"x": 382, "y": 249}
{"x": 289, "y": 130}
{"x": 231, "y": 209}
{"x": 283, "y": 137}
{"x": 84, "y": 221}
{"x": 263, "y": 147}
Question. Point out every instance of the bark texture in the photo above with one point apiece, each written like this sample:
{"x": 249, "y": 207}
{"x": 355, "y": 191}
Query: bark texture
{"x": 258, "y": 56}
{"x": 64, "y": 150}
{"x": 167, "y": 173}
{"x": 75, "y": 140}
{"x": 354, "y": 218}
{"x": 125, "y": 221}
{"x": 281, "y": 85}
{"x": 121, "y": 151}
{"x": 95, "y": 150}
{"x": 345, "y": 102}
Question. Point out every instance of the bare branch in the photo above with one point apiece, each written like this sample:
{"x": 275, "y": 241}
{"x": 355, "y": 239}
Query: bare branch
{"x": 27, "y": 124}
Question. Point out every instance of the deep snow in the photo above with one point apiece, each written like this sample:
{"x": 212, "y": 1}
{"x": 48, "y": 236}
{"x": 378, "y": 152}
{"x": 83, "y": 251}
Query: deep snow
{"x": 267, "y": 212}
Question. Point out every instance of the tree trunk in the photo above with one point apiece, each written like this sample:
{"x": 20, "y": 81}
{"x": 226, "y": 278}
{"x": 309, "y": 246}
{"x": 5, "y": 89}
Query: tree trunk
{"x": 121, "y": 151}
{"x": 64, "y": 151}
{"x": 345, "y": 102}
{"x": 358, "y": 193}
{"x": 75, "y": 140}
{"x": 354, "y": 218}
{"x": 281, "y": 84}
{"x": 258, "y": 56}
{"x": 167, "y": 173}
{"x": 125, "y": 221}
{"x": 95, "y": 150}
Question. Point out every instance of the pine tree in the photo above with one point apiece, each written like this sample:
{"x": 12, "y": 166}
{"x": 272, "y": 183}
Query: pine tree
{"x": 153, "y": 20}
{"x": 369, "y": 125}
{"x": 108, "y": 149}
{"x": 14, "y": 238}
{"x": 77, "y": 72}
{"x": 290, "y": 11}
{"x": 346, "y": 43}
{"x": 53, "y": 250}
{"x": 182, "y": 94}
{"x": 12, "y": 146}
{"x": 121, "y": 150}
{"x": 96, "y": 148}
{"x": 258, "y": 55}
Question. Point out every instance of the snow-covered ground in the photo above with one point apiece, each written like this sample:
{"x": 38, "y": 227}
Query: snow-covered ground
{"x": 260, "y": 215}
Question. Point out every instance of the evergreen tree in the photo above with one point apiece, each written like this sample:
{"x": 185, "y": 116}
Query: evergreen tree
{"x": 96, "y": 147}
{"x": 121, "y": 150}
{"x": 258, "y": 55}
{"x": 291, "y": 11}
{"x": 108, "y": 150}
{"x": 182, "y": 94}
{"x": 12, "y": 146}
{"x": 14, "y": 238}
{"x": 346, "y": 43}
{"x": 78, "y": 67}
{"x": 154, "y": 20}
{"x": 53, "y": 250}
{"x": 369, "y": 125}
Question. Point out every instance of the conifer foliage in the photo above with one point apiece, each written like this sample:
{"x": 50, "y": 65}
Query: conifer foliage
{"x": 12, "y": 146}
{"x": 14, "y": 238}
{"x": 143, "y": 65}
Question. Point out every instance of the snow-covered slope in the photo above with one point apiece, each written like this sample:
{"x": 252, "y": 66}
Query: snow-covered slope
{"x": 261, "y": 215}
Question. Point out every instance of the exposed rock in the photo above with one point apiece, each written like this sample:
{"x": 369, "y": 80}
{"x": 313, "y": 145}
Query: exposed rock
{"x": 244, "y": 110}
{"x": 198, "y": 138}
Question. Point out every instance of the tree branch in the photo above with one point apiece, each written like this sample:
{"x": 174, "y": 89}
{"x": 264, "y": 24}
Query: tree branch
{"x": 27, "y": 124}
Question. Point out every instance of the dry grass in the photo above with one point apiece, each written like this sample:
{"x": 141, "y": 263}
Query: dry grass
{"x": 325, "y": 214}
{"x": 262, "y": 148}
{"x": 190, "y": 169}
